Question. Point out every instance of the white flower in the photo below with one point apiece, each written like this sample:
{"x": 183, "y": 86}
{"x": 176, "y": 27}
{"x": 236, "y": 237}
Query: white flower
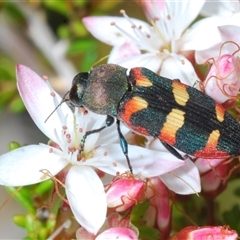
{"x": 220, "y": 8}
{"x": 164, "y": 46}
{"x": 182, "y": 180}
{"x": 84, "y": 189}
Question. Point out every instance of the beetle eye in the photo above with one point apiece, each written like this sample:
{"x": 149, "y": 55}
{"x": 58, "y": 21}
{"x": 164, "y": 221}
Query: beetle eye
{"x": 78, "y": 87}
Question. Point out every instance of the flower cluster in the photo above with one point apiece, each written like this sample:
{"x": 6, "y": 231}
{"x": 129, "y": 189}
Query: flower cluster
{"x": 107, "y": 201}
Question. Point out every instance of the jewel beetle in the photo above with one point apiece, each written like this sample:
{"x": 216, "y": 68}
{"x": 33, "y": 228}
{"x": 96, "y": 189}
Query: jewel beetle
{"x": 181, "y": 116}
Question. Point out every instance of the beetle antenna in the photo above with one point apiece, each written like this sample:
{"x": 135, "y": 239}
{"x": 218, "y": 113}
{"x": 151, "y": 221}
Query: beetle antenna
{"x": 63, "y": 100}
{"x": 100, "y": 60}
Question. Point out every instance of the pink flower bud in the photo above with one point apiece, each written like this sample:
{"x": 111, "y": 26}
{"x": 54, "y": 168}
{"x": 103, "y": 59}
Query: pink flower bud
{"x": 207, "y": 232}
{"x": 160, "y": 209}
{"x": 118, "y": 233}
{"x": 223, "y": 80}
{"x": 124, "y": 193}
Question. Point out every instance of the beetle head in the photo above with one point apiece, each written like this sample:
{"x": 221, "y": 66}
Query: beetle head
{"x": 78, "y": 88}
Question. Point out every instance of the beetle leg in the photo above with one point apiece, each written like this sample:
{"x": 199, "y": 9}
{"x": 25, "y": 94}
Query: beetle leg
{"x": 124, "y": 145}
{"x": 172, "y": 150}
{"x": 109, "y": 121}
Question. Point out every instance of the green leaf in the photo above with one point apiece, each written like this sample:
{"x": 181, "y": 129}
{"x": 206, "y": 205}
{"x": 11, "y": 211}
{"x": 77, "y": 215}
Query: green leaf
{"x": 139, "y": 210}
{"x": 44, "y": 187}
{"x": 147, "y": 233}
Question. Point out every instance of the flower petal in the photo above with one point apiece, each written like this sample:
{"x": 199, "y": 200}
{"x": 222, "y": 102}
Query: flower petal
{"x": 214, "y": 232}
{"x": 183, "y": 70}
{"x": 175, "y": 16}
{"x": 183, "y": 180}
{"x": 147, "y": 60}
{"x": 205, "y": 165}
{"x": 230, "y": 33}
{"x": 204, "y": 55}
{"x": 86, "y": 196}
{"x": 145, "y": 162}
{"x": 123, "y": 52}
{"x": 195, "y": 37}
{"x": 22, "y": 166}
{"x": 124, "y": 193}
{"x": 227, "y": 33}
{"x": 112, "y": 35}
{"x": 35, "y": 94}
{"x": 118, "y": 233}
{"x": 220, "y": 8}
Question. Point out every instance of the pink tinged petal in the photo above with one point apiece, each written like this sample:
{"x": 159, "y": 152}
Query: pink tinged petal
{"x": 145, "y": 162}
{"x": 35, "y": 94}
{"x": 86, "y": 196}
{"x": 124, "y": 193}
{"x": 23, "y": 165}
{"x": 206, "y": 232}
{"x": 230, "y": 33}
{"x": 123, "y": 52}
{"x": 184, "y": 180}
{"x": 222, "y": 82}
{"x": 152, "y": 8}
{"x": 159, "y": 198}
{"x": 205, "y": 165}
{"x": 102, "y": 29}
{"x": 118, "y": 233}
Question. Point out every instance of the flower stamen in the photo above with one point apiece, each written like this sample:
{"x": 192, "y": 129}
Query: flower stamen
{"x": 125, "y": 33}
{"x": 160, "y": 34}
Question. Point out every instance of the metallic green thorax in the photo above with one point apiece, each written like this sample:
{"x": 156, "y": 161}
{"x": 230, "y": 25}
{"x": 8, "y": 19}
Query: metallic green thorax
{"x": 105, "y": 88}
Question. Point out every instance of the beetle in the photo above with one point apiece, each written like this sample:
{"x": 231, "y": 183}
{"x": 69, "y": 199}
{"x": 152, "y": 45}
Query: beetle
{"x": 182, "y": 117}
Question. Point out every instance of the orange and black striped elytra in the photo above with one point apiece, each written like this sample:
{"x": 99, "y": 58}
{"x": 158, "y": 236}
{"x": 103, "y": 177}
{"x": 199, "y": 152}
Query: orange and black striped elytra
{"x": 181, "y": 116}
